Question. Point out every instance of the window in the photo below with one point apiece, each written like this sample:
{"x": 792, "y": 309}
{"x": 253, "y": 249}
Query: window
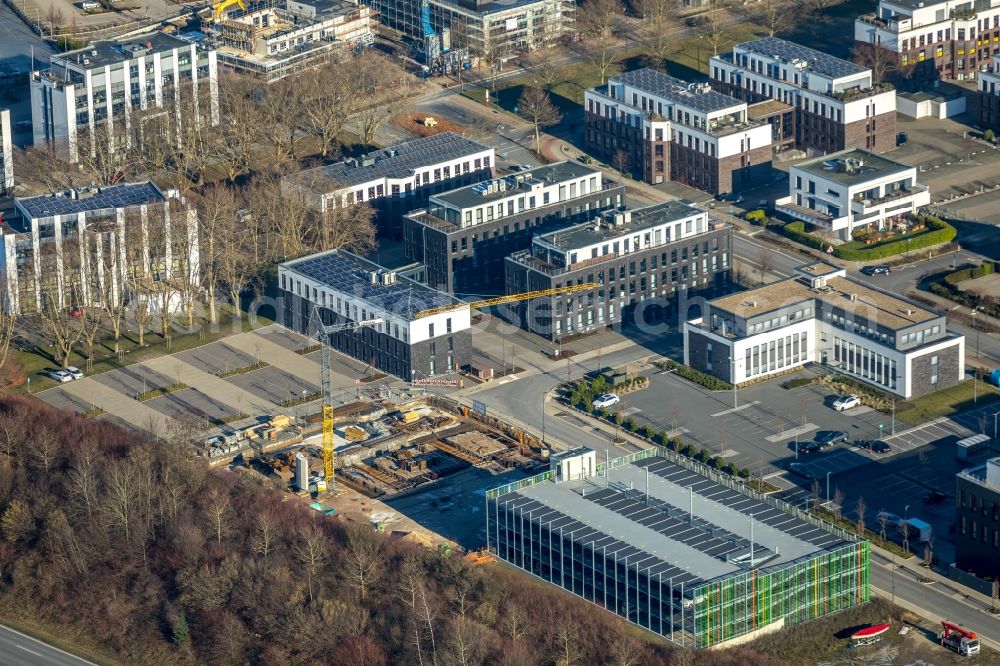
{"x": 430, "y": 330}
{"x": 447, "y": 325}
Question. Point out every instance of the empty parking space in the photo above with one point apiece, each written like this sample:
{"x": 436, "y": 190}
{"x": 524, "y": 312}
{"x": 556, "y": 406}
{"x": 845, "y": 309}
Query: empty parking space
{"x": 134, "y": 379}
{"x": 60, "y": 397}
{"x": 217, "y": 358}
{"x": 192, "y": 402}
{"x": 284, "y": 337}
{"x": 836, "y": 461}
{"x": 274, "y": 385}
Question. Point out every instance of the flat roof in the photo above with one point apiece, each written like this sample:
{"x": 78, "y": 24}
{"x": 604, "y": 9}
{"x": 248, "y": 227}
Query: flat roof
{"x": 891, "y": 311}
{"x": 698, "y": 96}
{"x": 104, "y": 53}
{"x": 86, "y": 199}
{"x": 658, "y": 533}
{"x": 350, "y": 274}
{"x": 817, "y": 61}
{"x": 852, "y": 166}
{"x": 505, "y": 186}
{"x": 584, "y": 234}
{"x": 397, "y": 161}
{"x": 767, "y": 108}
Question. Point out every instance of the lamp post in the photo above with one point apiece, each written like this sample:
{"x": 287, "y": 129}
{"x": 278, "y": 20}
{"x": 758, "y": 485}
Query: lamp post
{"x": 827, "y": 487}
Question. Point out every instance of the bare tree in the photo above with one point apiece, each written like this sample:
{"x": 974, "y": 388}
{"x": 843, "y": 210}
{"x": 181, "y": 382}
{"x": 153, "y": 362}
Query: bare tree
{"x": 107, "y": 156}
{"x": 266, "y": 535}
{"x": 775, "y": 16}
{"x": 620, "y": 161}
{"x": 542, "y": 63}
{"x": 326, "y": 107}
{"x": 904, "y": 531}
{"x": 883, "y": 523}
{"x": 860, "y": 507}
{"x": 41, "y": 169}
{"x": 217, "y": 216}
{"x": 56, "y": 313}
{"x": 535, "y": 106}
{"x": 567, "y": 641}
{"x": 363, "y": 559}
{"x": 281, "y": 109}
{"x": 880, "y": 60}
{"x": 659, "y": 20}
{"x": 817, "y": 9}
{"x": 815, "y": 491}
{"x": 515, "y": 621}
{"x": 600, "y": 23}
{"x": 312, "y": 551}
{"x": 715, "y": 32}
{"x": 929, "y": 552}
{"x": 218, "y": 506}
{"x": 239, "y": 133}
{"x": 838, "y": 498}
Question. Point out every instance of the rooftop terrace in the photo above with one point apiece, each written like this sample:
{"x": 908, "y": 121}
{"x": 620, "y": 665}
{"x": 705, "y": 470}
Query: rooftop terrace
{"x": 852, "y": 167}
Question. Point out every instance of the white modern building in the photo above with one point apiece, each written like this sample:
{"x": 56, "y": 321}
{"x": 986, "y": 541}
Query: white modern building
{"x": 6, "y": 153}
{"x": 821, "y": 315}
{"x": 837, "y": 104}
{"x": 81, "y": 246}
{"x": 850, "y": 190}
{"x": 943, "y": 39}
{"x": 108, "y": 83}
{"x": 395, "y": 180}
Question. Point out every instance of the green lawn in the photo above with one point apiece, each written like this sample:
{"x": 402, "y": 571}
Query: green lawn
{"x": 947, "y": 401}
{"x": 37, "y": 362}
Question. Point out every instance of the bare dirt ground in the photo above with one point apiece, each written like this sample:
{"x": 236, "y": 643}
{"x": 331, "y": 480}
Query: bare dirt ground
{"x": 988, "y": 285}
{"x": 414, "y": 123}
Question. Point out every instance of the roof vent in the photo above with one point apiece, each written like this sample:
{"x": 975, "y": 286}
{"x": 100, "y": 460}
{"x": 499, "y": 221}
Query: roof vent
{"x": 94, "y": 52}
{"x": 854, "y": 297}
{"x": 368, "y": 161}
{"x": 909, "y": 312}
{"x": 86, "y": 61}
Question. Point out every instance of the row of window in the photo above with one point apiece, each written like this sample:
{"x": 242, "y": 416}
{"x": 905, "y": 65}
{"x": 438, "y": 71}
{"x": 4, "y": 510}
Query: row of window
{"x": 438, "y": 175}
{"x": 867, "y": 363}
{"x": 774, "y": 355}
{"x": 980, "y": 531}
{"x": 775, "y": 322}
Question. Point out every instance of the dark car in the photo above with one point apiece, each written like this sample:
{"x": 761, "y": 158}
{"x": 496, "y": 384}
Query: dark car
{"x": 732, "y": 197}
{"x": 827, "y": 438}
{"x": 935, "y": 497}
{"x": 901, "y": 139}
{"x": 880, "y": 269}
{"x": 805, "y": 447}
{"x": 801, "y": 470}
{"x": 694, "y": 21}
{"x": 874, "y": 445}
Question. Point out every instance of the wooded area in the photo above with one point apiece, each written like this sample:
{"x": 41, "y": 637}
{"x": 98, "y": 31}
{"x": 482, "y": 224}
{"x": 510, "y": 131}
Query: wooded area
{"x": 126, "y": 546}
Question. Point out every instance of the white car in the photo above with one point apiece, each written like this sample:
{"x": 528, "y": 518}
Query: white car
{"x": 74, "y": 371}
{"x": 60, "y": 376}
{"x": 606, "y": 400}
{"x": 846, "y": 402}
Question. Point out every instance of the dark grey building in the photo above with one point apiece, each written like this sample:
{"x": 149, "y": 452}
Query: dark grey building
{"x": 640, "y": 261}
{"x": 344, "y": 288}
{"x": 464, "y": 235}
{"x": 977, "y": 519}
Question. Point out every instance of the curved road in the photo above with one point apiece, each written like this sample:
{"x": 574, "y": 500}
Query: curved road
{"x": 18, "y": 648}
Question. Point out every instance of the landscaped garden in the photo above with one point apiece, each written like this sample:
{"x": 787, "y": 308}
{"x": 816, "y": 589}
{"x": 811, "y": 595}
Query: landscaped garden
{"x": 923, "y": 231}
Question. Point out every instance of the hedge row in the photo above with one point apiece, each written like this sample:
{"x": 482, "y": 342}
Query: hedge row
{"x": 988, "y": 268}
{"x": 938, "y": 232}
{"x": 696, "y": 376}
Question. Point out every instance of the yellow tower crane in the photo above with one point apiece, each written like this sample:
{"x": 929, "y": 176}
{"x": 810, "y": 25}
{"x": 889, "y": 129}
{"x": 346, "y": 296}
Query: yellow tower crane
{"x": 322, "y": 334}
{"x": 509, "y": 298}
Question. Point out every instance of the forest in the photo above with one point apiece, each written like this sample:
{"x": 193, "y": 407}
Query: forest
{"x": 132, "y": 549}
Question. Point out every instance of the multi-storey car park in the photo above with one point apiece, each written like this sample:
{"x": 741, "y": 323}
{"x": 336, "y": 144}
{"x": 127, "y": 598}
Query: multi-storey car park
{"x": 395, "y": 180}
{"x": 660, "y": 129}
{"x": 821, "y": 315}
{"x": 344, "y": 288}
{"x": 684, "y": 551}
{"x": 464, "y": 235}
{"x": 643, "y": 263}
{"x": 850, "y": 190}
{"x": 933, "y": 39}
{"x": 837, "y": 104}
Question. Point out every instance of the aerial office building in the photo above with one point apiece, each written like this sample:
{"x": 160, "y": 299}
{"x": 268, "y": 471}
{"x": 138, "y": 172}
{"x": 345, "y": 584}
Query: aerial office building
{"x": 850, "y": 190}
{"x": 686, "y": 552}
{"x": 642, "y": 261}
{"x": 464, "y": 235}
{"x": 928, "y": 40}
{"x": 344, "y": 288}
{"x": 395, "y": 180}
{"x": 821, "y": 315}
{"x": 663, "y": 129}
{"x": 834, "y": 104}
{"x": 977, "y": 519}
{"x": 107, "y": 83}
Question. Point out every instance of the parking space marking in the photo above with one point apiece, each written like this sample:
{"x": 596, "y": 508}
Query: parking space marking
{"x": 792, "y": 432}
{"x": 735, "y": 409}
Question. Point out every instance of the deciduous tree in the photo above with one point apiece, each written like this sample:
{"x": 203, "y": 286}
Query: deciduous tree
{"x": 535, "y": 106}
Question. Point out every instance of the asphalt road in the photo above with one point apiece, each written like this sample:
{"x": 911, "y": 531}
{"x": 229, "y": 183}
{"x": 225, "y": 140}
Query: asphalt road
{"x": 17, "y": 648}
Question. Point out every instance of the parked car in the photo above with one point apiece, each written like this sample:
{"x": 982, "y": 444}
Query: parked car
{"x": 901, "y": 139}
{"x": 827, "y": 438}
{"x": 74, "y": 371}
{"x": 60, "y": 376}
{"x": 878, "y": 269}
{"x": 694, "y": 21}
{"x": 805, "y": 447}
{"x": 874, "y": 445}
{"x": 606, "y": 400}
{"x": 802, "y": 470}
{"x": 730, "y": 198}
{"x": 935, "y": 497}
{"x": 846, "y": 402}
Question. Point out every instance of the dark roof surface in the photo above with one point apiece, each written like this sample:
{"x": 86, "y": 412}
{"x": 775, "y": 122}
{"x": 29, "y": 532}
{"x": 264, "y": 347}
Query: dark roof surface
{"x": 688, "y": 94}
{"x": 112, "y": 196}
{"x": 582, "y": 235}
{"x": 819, "y": 62}
{"x": 111, "y": 52}
{"x": 349, "y": 273}
{"x": 478, "y": 194}
{"x": 395, "y": 162}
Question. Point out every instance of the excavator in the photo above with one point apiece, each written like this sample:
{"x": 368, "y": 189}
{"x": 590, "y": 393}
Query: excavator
{"x": 219, "y": 8}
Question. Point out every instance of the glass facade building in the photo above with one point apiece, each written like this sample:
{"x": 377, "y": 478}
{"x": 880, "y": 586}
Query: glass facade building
{"x": 695, "y": 556}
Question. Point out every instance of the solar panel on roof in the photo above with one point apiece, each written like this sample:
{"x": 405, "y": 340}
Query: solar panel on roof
{"x": 817, "y": 61}
{"x": 694, "y": 95}
{"x": 112, "y": 196}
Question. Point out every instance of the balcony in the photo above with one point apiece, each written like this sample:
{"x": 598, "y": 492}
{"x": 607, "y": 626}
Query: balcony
{"x": 861, "y": 93}
{"x": 896, "y": 195}
{"x": 889, "y": 25}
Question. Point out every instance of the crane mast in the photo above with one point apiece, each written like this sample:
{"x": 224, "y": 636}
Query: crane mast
{"x": 509, "y": 298}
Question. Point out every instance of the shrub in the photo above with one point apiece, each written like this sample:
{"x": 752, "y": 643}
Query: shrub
{"x": 796, "y": 383}
{"x": 937, "y": 231}
{"x": 744, "y": 473}
{"x": 663, "y": 439}
{"x": 796, "y": 231}
{"x": 988, "y": 135}
{"x": 756, "y": 217}
{"x": 686, "y": 450}
{"x": 696, "y": 376}
{"x": 715, "y": 462}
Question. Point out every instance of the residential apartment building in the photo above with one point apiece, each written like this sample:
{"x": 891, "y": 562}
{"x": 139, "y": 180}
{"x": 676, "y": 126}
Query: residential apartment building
{"x": 821, "y": 315}
{"x": 977, "y": 519}
{"x": 850, "y": 190}
{"x": 89, "y": 245}
{"x": 989, "y": 96}
{"x": 928, "y": 40}
{"x": 498, "y": 27}
{"x": 343, "y": 288}
{"x": 464, "y": 236}
{"x": 271, "y": 42}
{"x": 107, "y": 83}
{"x": 640, "y": 261}
{"x": 6, "y": 153}
{"x": 838, "y": 104}
{"x": 396, "y": 180}
{"x": 659, "y": 129}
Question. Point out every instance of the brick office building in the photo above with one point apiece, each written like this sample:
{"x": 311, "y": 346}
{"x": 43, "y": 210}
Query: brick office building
{"x": 664, "y": 129}
{"x": 837, "y": 103}
{"x": 641, "y": 261}
{"x": 464, "y": 235}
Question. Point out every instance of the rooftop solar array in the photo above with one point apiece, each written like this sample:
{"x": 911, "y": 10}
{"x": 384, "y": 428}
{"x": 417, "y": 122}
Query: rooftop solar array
{"x": 350, "y": 274}
{"x": 819, "y": 62}
{"x": 100, "y": 54}
{"x": 696, "y": 96}
{"x": 86, "y": 200}
{"x": 398, "y": 161}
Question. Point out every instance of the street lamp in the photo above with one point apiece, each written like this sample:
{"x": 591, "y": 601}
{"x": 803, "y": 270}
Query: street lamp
{"x": 827, "y": 487}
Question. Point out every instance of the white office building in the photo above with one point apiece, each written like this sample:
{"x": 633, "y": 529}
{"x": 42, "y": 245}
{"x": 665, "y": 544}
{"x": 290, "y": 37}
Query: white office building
{"x": 107, "y": 83}
{"x": 850, "y": 190}
{"x": 83, "y": 245}
{"x": 6, "y": 153}
{"x": 820, "y": 315}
